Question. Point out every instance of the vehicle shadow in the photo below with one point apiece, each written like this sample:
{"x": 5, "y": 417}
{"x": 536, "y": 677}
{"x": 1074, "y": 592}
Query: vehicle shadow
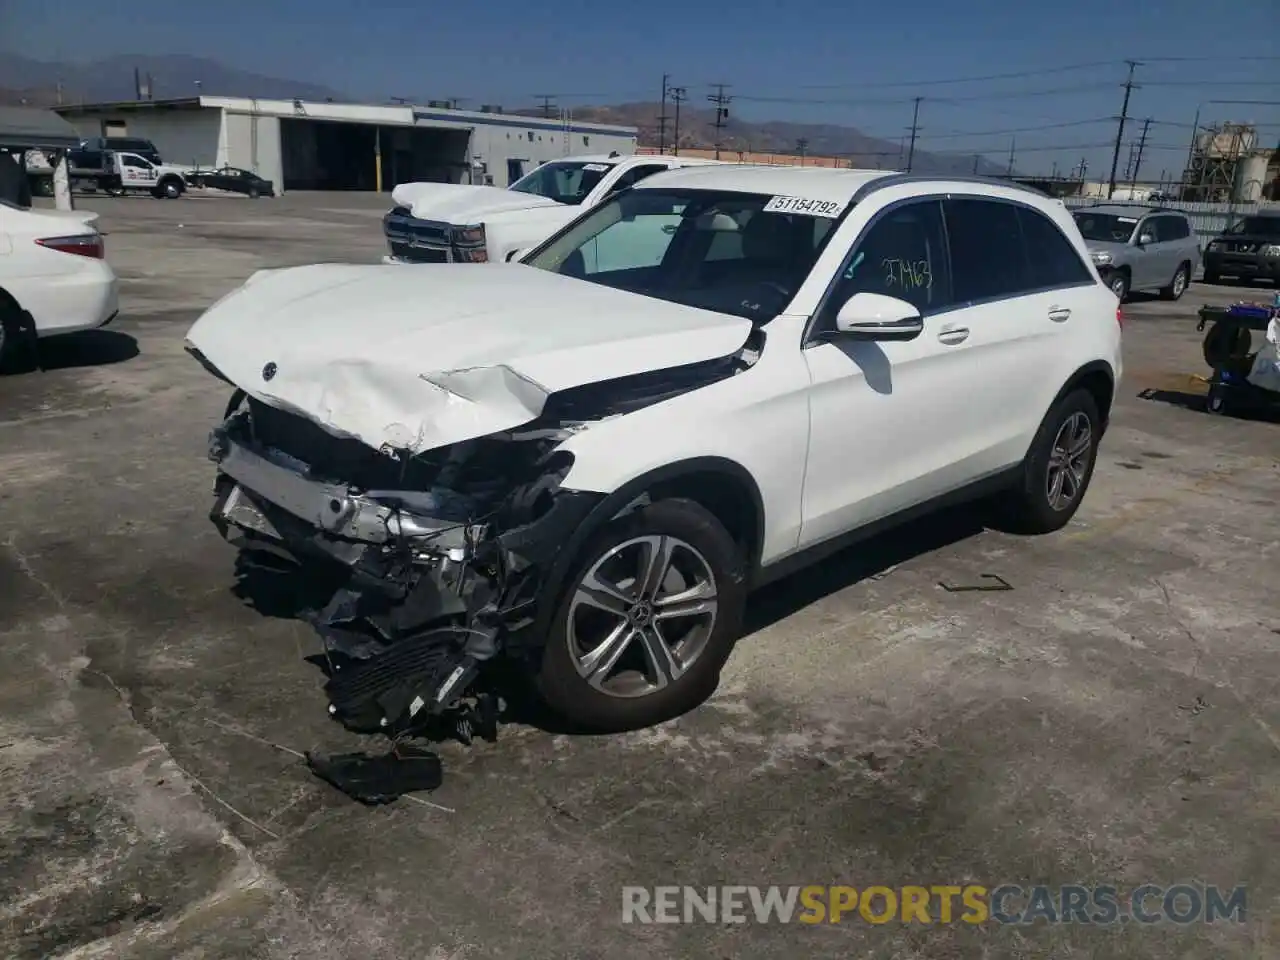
{"x": 1257, "y": 410}
{"x": 89, "y": 348}
{"x": 861, "y": 561}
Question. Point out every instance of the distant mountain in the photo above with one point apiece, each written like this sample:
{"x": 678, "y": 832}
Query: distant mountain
{"x": 172, "y": 76}
{"x": 777, "y": 136}
{"x": 37, "y": 82}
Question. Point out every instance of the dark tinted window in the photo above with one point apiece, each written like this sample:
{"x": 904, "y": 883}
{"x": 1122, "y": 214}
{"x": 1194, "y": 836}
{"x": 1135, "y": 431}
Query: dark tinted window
{"x": 987, "y": 256}
{"x": 1173, "y": 228}
{"x": 902, "y": 255}
{"x": 1052, "y": 260}
{"x": 1260, "y": 226}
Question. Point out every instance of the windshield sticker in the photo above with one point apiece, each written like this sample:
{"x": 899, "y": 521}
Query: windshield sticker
{"x": 811, "y": 208}
{"x": 596, "y": 167}
{"x": 1127, "y": 219}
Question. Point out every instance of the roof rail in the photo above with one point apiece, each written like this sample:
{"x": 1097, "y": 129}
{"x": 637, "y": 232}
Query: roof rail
{"x": 896, "y": 179}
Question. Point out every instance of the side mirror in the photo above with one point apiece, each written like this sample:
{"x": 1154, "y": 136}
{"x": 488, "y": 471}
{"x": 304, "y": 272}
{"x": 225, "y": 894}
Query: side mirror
{"x": 1145, "y": 239}
{"x": 873, "y": 316}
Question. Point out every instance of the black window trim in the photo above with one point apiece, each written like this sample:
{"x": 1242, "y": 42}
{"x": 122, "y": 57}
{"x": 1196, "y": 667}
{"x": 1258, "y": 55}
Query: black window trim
{"x": 810, "y": 338}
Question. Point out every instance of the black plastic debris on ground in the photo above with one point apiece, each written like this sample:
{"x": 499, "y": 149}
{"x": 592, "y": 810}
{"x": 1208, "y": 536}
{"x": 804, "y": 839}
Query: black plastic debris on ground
{"x": 374, "y": 780}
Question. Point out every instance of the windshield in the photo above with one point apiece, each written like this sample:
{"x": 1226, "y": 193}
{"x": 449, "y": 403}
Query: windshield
{"x": 1258, "y": 226}
{"x": 711, "y": 250}
{"x": 1105, "y": 227}
{"x": 564, "y": 181}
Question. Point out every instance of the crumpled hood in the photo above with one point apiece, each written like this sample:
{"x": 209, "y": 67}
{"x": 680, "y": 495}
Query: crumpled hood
{"x": 416, "y": 359}
{"x": 460, "y": 204}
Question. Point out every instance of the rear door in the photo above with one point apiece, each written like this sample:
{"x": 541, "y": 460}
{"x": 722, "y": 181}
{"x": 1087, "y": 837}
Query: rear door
{"x": 1019, "y": 287}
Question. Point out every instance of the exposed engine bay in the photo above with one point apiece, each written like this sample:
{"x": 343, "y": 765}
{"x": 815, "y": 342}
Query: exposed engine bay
{"x": 433, "y": 565}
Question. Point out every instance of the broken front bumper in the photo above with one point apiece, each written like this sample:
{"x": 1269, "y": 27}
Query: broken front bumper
{"x": 262, "y": 479}
{"x": 424, "y": 595}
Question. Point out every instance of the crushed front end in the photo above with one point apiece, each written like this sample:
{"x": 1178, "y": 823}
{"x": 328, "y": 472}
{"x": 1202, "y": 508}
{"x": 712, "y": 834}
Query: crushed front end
{"x": 429, "y": 564}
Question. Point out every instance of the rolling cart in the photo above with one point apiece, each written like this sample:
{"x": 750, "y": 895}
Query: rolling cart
{"x": 1228, "y": 352}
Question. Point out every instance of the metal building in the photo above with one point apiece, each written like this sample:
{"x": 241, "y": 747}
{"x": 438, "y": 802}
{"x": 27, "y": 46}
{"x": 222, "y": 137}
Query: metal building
{"x": 310, "y": 145}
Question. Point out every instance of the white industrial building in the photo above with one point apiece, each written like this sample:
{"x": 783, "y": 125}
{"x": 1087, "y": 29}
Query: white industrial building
{"x": 309, "y": 145}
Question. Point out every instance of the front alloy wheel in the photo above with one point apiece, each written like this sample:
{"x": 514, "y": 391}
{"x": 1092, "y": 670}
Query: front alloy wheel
{"x": 645, "y": 620}
{"x": 641, "y": 616}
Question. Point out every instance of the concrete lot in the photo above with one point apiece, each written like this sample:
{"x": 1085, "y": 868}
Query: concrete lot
{"x": 1112, "y": 719}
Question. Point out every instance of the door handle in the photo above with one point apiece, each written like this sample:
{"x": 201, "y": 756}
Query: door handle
{"x": 1059, "y": 314}
{"x": 951, "y": 335}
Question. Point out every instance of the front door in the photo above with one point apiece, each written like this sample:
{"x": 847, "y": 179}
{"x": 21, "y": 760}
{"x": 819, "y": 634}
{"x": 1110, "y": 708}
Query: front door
{"x": 905, "y": 402}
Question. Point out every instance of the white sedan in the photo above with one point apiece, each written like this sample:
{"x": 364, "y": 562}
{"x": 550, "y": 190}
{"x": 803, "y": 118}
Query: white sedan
{"x": 53, "y": 276}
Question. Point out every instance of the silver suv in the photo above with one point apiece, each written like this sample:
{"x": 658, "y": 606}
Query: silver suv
{"x": 1134, "y": 247}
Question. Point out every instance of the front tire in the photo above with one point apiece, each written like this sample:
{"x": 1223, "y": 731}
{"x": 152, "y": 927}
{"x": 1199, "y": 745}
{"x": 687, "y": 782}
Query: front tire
{"x": 648, "y": 619}
{"x": 1119, "y": 284}
{"x": 1058, "y": 467}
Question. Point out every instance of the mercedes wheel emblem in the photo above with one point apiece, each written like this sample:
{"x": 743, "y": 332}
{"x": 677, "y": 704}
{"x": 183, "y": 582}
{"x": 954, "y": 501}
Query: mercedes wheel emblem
{"x": 268, "y": 371}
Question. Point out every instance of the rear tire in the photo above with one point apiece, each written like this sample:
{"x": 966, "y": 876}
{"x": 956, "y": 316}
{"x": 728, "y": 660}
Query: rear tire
{"x": 254, "y": 193}
{"x": 18, "y": 349}
{"x": 1058, "y": 468}
{"x": 1178, "y": 285}
{"x": 640, "y": 663}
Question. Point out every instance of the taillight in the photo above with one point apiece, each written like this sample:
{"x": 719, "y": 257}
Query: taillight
{"x": 83, "y": 245}
{"x": 1120, "y": 318}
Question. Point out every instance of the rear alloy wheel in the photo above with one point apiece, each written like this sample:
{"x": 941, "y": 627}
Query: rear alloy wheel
{"x": 254, "y": 193}
{"x": 1058, "y": 467}
{"x": 647, "y": 621}
{"x": 1178, "y": 285}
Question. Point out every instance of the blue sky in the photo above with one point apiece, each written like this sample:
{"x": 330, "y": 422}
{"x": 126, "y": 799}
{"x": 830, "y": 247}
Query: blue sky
{"x": 864, "y": 62}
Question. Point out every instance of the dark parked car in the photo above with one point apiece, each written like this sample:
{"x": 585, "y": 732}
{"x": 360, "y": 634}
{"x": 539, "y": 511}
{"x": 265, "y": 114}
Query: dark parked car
{"x": 1249, "y": 250}
{"x": 235, "y": 180}
{"x": 89, "y": 155}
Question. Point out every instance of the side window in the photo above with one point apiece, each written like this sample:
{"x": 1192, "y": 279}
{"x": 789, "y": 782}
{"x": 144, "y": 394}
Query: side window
{"x": 1169, "y": 228}
{"x": 635, "y": 175}
{"x": 1147, "y": 228}
{"x": 1052, "y": 260}
{"x": 987, "y": 256}
{"x": 901, "y": 255}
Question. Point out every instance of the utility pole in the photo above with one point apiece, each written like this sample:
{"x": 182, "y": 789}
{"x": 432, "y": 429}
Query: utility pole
{"x": 1137, "y": 160}
{"x": 662, "y": 118}
{"x": 975, "y": 164}
{"x": 801, "y": 146}
{"x": 1124, "y": 116}
{"x": 1191, "y": 152}
{"x": 1013, "y": 143}
{"x": 678, "y": 96}
{"x": 549, "y": 108}
{"x": 915, "y": 128}
{"x": 722, "y": 111}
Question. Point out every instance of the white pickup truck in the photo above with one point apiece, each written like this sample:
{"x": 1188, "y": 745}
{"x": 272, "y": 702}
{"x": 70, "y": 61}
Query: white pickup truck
{"x": 449, "y": 222}
{"x": 123, "y": 172}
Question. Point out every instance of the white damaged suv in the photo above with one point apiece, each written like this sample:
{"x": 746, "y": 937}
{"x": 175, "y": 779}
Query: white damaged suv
{"x": 583, "y": 462}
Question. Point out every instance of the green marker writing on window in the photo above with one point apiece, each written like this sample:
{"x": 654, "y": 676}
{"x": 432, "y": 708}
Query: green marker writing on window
{"x": 848, "y": 274}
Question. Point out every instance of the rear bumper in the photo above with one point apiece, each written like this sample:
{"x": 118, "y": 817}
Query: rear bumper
{"x": 85, "y": 300}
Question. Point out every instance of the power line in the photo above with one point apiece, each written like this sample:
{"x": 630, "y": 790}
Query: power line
{"x": 957, "y": 134}
{"x": 1124, "y": 115}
